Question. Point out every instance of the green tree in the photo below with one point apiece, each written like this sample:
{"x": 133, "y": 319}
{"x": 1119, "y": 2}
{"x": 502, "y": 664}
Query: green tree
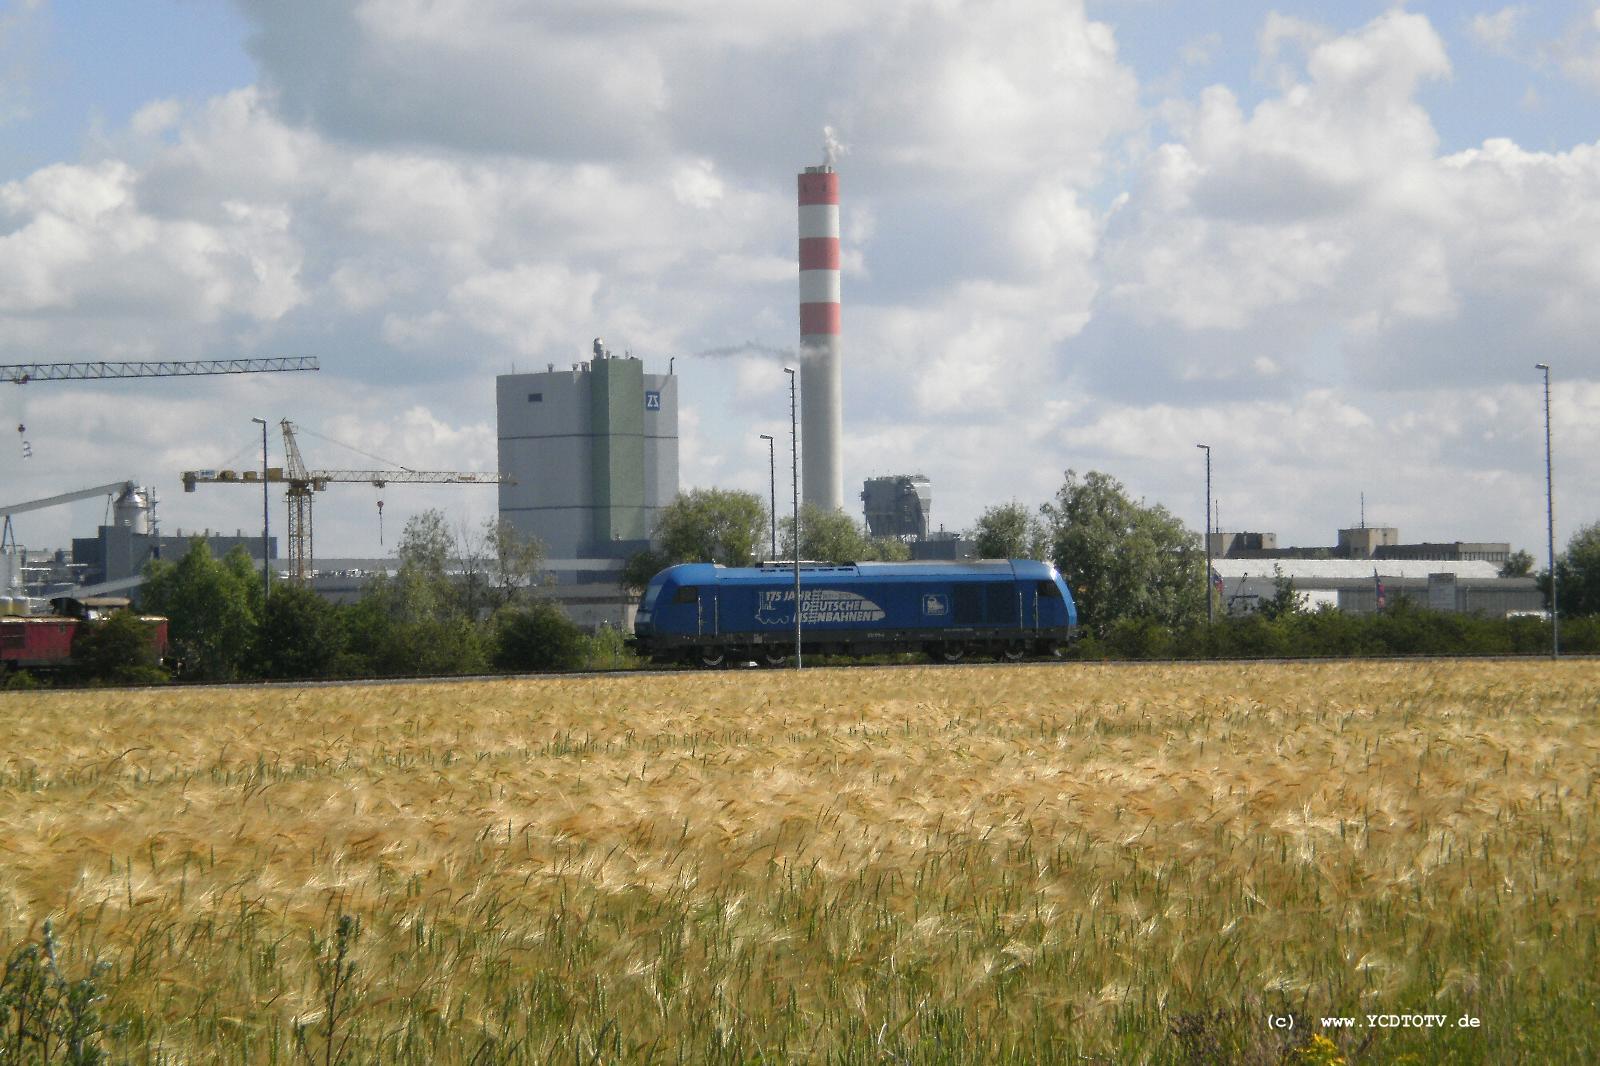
{"x": 1124, "y": 559}
{"x": 1578, "y": 569}
{"x": 712, "y": 526}
{"x": 701, "y": 526}
{"x": 641, "y": 567}
{"x": 1010, "y": 531}
{"x": 385, "y": 637}
{"x": 212, "y": 607}
{"x": 1286, "y": 599}
{"x": 426, "y": 546}
{"x": 415, "y": 622}
{"x": 516, "y": 562}
{"x": 118, "y": 649}
{"x": 834, "y": 537}
{"x": 302, "y": 635}
{"x": 1518, "y": 564}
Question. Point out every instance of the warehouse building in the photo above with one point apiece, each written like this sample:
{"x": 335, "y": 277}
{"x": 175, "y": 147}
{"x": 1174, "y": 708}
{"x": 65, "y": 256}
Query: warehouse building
{"x": 1360, "y": 542}
{"x": 1365, "y": 586}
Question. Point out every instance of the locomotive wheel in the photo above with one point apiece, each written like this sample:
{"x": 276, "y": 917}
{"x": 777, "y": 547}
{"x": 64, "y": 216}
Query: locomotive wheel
{"x": 712, "y": 658}
{"x": 773, "y": 657}
{"x": 950, "y": 653}
{"x": 1013, "y": 653}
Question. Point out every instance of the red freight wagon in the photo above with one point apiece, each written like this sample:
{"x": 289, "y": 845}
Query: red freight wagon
{"x": 33, "y": 642}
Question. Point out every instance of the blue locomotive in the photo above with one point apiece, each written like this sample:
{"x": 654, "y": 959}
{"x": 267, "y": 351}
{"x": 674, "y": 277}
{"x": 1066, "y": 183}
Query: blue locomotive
{"x": 708, "y": 614}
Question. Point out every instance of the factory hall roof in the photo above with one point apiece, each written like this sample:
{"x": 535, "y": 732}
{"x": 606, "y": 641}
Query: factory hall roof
{"x": 1353, "y": 569}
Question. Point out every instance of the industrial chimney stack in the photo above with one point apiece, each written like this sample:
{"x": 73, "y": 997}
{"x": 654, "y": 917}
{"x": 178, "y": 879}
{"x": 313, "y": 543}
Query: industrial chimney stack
{"x": 821, "y": 400}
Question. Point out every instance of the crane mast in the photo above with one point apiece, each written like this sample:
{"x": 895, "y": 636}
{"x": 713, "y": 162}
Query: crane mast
{"x": 303, "y": 483}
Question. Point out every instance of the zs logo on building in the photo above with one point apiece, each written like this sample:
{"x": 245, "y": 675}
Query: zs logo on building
{"x": 652, "y": 400}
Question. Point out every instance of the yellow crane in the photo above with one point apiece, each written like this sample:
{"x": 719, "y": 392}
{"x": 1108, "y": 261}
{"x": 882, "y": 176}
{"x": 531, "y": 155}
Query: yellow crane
{"x": 303, "y": 482}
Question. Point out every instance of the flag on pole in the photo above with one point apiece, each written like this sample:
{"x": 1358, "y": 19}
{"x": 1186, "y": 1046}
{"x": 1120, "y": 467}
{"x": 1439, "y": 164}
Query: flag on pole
{"x": 1216, "y": 581}
{"x": 1377, "y": 585}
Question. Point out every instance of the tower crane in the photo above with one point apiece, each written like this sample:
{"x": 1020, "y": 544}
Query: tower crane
{"x": 304, "y": 482}
{"x": 22, "y": 373}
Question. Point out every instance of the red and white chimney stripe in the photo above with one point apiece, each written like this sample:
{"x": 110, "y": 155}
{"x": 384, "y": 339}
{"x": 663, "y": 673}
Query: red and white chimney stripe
{"x": 821, "y": 399}
{"x": 819, "y": 252}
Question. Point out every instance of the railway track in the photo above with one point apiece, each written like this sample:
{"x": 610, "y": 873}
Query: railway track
{"x": 680, "y": 670}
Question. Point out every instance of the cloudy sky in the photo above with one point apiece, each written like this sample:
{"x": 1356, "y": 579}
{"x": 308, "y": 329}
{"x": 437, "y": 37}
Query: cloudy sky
{"x": 1077, "y": 235}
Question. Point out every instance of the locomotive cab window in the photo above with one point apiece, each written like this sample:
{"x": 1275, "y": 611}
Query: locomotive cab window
{"x": 1049, "y": 590}
{"x": 686, "y": 594}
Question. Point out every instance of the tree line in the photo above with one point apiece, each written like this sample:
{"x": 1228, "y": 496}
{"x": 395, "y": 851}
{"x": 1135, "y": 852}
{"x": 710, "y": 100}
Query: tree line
{"x": 467, "y": 601}
{"x": 1135, "y": 570}
{"x": 461, "y": 601}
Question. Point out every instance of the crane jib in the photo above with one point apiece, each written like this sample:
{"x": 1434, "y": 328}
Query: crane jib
{"x": 22, "y": 373}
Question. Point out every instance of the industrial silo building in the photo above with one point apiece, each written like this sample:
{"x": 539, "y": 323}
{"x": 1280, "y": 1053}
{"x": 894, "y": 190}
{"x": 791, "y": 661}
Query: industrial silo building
{"x": 592, "y": 453}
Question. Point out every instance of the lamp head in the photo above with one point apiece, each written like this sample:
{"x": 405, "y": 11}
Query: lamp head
{"x": 1542, "y": 366}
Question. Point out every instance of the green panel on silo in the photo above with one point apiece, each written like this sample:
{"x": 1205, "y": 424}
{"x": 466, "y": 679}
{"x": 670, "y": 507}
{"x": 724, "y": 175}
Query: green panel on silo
{"x": 617, "y": 399}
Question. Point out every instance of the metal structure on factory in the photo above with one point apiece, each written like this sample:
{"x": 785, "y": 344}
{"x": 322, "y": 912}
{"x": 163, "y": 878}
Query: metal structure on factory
{"x": 11, "y": 556}
{"x": 897, "y": 505}
{"x": 821, "y": 386}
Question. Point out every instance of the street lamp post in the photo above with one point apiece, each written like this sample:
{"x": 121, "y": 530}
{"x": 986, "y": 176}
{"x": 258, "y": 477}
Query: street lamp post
{"x": 266, "y": 573}
{"x": 1550, "y": 518}
{"x": 794, "y": 459}
{"x": 1211, "y": 607}
{"x": 772, "y": 490}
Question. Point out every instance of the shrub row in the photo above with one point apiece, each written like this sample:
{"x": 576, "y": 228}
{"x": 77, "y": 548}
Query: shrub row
{"x": 1403, "y": 629}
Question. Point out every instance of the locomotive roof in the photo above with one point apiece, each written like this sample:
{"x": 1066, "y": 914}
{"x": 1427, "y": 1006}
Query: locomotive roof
{"x": 1026, "y": 569}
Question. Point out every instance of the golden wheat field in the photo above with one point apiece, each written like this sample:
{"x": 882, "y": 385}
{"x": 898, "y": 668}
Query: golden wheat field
{"x": 1071, "y": 863}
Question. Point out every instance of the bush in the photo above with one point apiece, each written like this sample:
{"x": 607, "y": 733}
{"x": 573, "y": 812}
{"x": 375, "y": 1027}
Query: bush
{"x": 1140, "y": 638}
{"x": 538, "y": 637}
{"x": 608, "y": 650}
{"x": 1404, "y": 629}
{"x": 117, "y": 650}
{"x": 1580, "y": 636}
{"x": 18, "y": 681}
{"x": 303, "y": 635}
{"x": 46, "y": 1016}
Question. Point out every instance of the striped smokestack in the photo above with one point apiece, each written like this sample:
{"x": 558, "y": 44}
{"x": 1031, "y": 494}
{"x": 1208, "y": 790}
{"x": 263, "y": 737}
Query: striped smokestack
{"x": 821, "y": 401}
